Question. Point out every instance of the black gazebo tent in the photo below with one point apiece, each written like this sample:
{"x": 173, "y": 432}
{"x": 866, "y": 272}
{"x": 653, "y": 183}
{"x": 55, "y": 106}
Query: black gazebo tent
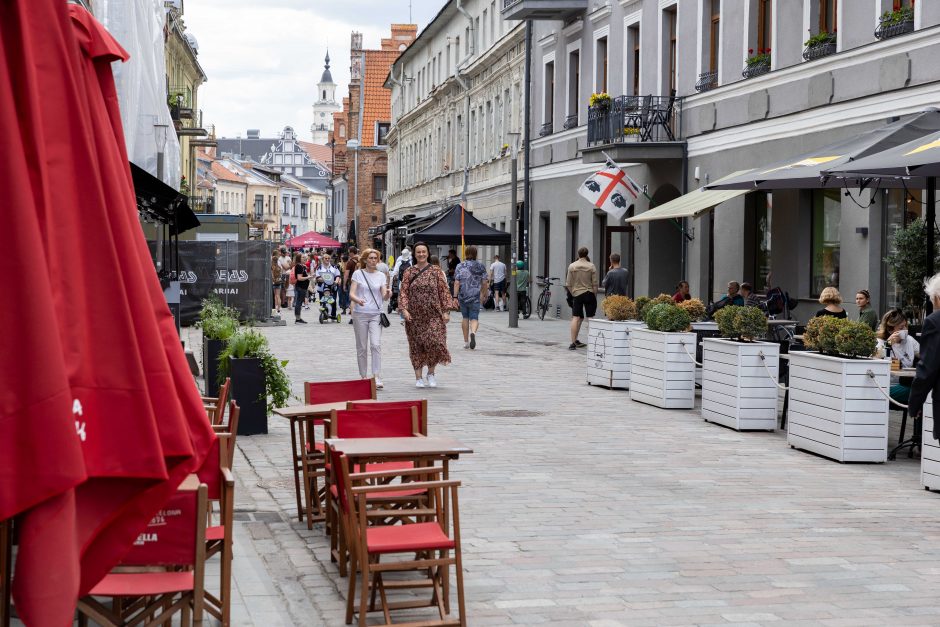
{"x": 446, "y": 230}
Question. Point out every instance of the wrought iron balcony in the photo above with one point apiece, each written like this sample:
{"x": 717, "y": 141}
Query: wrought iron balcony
{"x": 636, "y": 119}
{"x": 886, "y": 29}
{"x": 706, "y": 81}
{"x": 202, "y": 204}
{"x": 820, "y": 49}
{"x": 542, "y": 9}
{"x": 756, "y": 69}
{"x": 545, "y": 129}
{"x": 571, "y": 122}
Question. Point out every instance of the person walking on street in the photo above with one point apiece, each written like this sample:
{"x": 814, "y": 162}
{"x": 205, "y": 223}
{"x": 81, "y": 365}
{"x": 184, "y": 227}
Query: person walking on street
{"x": 927, "y": 379}
{"x": 276, "y": 282}
{"x": 425, "y": 302}
{"x": 498, "y": 280}
{"x": 286, "y": 264}
{"x": 581, "y": 282}
{"x": 470, "y": 288}
{"x": 351, "y": 264}
{"x": 522, "y": 282}
{"x": 302, "y": 283}
{"x": 398, "y": 271}
{"x": 615, "y": 282}
{"x": 452, "y": 261}
{"x": 369, "y": 291}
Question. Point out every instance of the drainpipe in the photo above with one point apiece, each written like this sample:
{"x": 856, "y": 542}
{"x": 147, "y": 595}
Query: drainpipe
{"x": 466, "y": 88}
{"x": 400, "y": 82}
{"x": 524, "y": 253}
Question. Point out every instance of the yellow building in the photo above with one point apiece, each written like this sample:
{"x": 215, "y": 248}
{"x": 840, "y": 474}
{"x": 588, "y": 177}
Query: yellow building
{"x": 184, "y": 75}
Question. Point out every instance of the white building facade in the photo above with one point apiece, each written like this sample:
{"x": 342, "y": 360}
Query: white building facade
{"x": 324, "y": 107}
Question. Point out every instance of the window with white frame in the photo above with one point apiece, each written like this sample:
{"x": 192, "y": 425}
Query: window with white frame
{"x": 548, "y": 111}
{"x": 600, "y": 65}
{"x": 633, "y": 59}
{"x": 574, "y": 83}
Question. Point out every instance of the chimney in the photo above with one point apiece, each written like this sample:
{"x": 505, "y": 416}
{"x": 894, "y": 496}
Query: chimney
{"x": 253, "y": 133}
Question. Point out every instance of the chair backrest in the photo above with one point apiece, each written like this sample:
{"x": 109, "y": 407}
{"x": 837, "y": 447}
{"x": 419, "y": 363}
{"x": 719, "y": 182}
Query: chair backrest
{"x": 316, "y": 392}
{"x": 219, "y": 412}
{"x": 421, "y": 405}
{"x": 398, "y": 422}
{"x": 234, "y": 411}
{"x": 176, "y": 535}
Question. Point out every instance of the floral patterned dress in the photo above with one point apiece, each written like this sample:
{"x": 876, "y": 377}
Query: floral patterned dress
{"x": 425, "y": 296}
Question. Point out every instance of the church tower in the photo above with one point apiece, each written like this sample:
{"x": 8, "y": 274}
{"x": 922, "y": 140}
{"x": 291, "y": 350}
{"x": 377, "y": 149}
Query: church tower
{"x": 325, "y": 106}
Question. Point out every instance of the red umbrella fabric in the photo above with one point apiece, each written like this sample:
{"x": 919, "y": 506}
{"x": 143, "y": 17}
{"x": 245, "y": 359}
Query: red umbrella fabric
{"x": 312, "y": 239}
{"x": 137, "y": 423}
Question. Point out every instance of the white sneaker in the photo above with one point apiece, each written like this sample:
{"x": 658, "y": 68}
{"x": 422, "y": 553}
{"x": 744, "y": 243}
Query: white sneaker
{"x": 378, "y": 383}
{"x": 420, "y": 383}
{"x": 432, "y": 382}
{"x": 466, "y": 345}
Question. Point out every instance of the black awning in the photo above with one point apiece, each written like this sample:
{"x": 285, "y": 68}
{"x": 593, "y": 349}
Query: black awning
{"x": 158, "y": 201}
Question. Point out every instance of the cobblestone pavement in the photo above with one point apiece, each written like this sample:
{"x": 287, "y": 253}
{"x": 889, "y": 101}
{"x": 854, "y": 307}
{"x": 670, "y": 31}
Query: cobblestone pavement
{"x": 580, "y": 507}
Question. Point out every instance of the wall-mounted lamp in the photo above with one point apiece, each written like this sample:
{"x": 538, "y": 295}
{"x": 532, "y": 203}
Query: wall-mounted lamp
{"x": 862, "y": 230}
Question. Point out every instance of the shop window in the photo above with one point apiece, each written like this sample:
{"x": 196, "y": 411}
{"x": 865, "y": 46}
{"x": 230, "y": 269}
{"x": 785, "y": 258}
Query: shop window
{"x": 827, "y": 219}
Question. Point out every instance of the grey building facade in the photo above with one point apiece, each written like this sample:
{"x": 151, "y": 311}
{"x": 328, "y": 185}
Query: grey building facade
{"x": 724, "y": 115}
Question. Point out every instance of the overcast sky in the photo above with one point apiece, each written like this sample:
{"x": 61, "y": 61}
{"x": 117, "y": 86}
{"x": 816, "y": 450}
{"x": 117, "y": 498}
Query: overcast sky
{"x": 264, "y": 59}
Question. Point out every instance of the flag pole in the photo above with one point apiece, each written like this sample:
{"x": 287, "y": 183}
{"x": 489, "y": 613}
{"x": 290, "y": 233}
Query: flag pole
{"x": 643, "y": 191}
{"x": 463, "y": 245}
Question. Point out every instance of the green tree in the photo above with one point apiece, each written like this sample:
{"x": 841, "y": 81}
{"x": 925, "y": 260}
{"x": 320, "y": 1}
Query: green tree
{"x": 907, "y": 263}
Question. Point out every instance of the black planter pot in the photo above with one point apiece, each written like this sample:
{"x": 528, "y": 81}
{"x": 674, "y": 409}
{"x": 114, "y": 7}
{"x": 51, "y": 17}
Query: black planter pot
{"x": 210, "y": 364}
{"x": 249, "y": 392}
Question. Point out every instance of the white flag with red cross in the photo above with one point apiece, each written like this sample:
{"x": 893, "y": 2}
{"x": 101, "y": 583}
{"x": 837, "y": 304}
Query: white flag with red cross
{"x": 611, "y": 190}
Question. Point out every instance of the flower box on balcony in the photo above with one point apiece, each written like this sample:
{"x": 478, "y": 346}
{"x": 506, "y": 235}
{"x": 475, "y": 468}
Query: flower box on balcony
{"x": 819, "y": 46}
{"x": 706, "y": 81}
{"x": 756, "y": 69}
{"x": 887, "y": 31}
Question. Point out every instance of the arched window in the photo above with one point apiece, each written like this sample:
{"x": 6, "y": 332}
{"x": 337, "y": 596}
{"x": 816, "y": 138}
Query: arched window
{"x": 324, "y": 94}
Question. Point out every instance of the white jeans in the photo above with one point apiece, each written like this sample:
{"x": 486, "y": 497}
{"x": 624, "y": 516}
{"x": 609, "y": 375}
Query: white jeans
{"x": 368, "y": 335}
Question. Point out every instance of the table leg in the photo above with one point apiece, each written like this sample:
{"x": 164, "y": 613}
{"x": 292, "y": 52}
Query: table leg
{"x": 446, "y": 569}
{"x": 297, "y": 469}
{"x": 316, "y": 470}
{"x": 304, "y": 464}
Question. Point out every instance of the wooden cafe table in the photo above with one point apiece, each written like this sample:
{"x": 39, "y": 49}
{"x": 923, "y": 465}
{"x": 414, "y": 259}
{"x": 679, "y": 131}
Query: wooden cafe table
{"x": 417, "y": 449}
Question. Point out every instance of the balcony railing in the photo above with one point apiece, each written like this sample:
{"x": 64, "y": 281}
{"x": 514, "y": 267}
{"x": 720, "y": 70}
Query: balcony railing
{"x": 545, "y": 129}
{"x": 200, "y": 204}
{"x": 571, "y": 122}
{"x": 820, "y": 49}
{"x": 636, "y": 119}
{"x": 706, "y": 81}
{"x": 542, "y": 9}
{"x": 887, "y": 30}
{"x": 756, "y": 69}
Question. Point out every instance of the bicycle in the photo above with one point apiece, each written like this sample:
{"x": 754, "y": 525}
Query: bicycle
{"x": 545, "y": 297}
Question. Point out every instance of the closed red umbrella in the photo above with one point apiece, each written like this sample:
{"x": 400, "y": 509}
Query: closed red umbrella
{"x": 142, "y": 426}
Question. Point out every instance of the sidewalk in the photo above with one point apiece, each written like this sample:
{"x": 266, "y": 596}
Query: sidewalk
{"x": 581, "y": 507}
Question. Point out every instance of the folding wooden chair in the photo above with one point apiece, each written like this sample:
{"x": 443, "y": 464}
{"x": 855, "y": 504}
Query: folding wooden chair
{"x": 174, "y": 538}
{"x": 215, "y": 405}
{"x": 419, "y": 542}
{"x": 219, "y": 537}
{"x": 316, "y": 392}
{"x": 366, "y": 423}
{"x": 421, "y": 405}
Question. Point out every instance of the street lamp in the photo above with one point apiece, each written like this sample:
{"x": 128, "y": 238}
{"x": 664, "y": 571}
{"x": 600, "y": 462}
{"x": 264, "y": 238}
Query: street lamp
{"x": 353, "y": 144}
{"x": 513, "y": 202}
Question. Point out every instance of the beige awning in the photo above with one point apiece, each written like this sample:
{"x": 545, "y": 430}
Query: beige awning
{"x": 693, "y": 204}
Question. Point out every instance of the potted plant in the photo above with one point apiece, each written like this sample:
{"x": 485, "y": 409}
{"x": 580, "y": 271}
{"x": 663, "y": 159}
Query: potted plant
{"x": 739, "y": 372}
{"x": 259, "y": 381}
{"x": 820, "y": 45}
{"x": 662, "y": 371}
{"x": 600, "y": 102}
{"x": 608, "y": 348}
{"x": 894, "y": 23}
{"x": 218, "y": 324}
{"x": 907, "y": 263}
{"x": 756, "y": 64}
{"x": 643, "y": 304}
{"x": 836, "y": 409}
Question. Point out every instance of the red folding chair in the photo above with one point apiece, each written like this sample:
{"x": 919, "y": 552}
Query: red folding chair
{"x": 221, "y": 488}
{"x": 316, "y": 392}
{"x": 421, "y": 405}
{"x": 425, "y": 545}
{"x": 215, "y": 405}
{"x": 174, "y": 540}
{"x": 366, "y": 423}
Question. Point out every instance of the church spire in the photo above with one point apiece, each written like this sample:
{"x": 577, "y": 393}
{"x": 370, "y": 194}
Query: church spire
{"x": 327, "y": 77}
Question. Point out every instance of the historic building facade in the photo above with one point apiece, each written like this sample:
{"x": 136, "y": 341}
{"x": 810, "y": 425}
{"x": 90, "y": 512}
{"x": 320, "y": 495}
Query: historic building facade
{"x": 457, "y": 94}
{"x": 731, "y": 111}
{"x": 324, "y": 107}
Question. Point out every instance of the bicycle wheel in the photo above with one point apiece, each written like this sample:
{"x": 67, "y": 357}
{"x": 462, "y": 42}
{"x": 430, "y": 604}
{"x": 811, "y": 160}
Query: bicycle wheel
{"x": 543, "y": 305}
{"x": 526, "y": 307}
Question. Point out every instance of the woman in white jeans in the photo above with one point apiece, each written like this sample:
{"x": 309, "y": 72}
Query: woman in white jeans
{"x": 369, "y": 289}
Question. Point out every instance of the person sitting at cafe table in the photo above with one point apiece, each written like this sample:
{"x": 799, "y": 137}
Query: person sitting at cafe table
{"x": 682, "y": 292}
{"x": 897, "y": 343}
{"x": 832, "y": 299}
{"x": 865, "y": 312}
{"x": 750, "y": 298}
{"x": 734, "y": 294}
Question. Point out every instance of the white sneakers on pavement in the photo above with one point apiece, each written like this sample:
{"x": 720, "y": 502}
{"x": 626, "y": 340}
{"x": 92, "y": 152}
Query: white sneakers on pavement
{"x": 432, "y": 382}
{"x": 420, "y": 383}
{"x": 378, "y": 383}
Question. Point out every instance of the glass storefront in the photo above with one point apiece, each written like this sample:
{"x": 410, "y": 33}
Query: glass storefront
{"x": 763, "y": 211}
{"x": 900, "y": 209}
{"x": 827, "y": 219}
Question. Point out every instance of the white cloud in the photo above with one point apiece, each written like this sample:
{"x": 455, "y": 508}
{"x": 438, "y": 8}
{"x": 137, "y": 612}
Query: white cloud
{"x": 263, "y": 60}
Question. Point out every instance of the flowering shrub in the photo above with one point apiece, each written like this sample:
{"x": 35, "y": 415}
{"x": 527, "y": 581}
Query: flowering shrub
{"x": 761, "y": 58}
{"x": 601, "y": 100}
{"x": 619, "y": 308}
{"x": 695, "y": 308}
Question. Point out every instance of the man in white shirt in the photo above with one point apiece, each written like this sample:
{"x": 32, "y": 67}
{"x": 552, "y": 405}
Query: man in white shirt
{"x": 498, "y": 281}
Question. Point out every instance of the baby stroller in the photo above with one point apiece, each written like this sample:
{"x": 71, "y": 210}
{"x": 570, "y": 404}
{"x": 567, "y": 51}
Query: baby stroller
{"x": 328, "y": 309}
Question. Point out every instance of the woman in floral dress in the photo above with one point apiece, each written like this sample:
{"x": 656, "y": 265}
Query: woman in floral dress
{"x": 425, "y": 302}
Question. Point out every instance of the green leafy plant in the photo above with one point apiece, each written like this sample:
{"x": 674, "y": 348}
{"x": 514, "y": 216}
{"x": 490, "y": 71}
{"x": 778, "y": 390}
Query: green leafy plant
{"x": 695, "y": 308}
{"x": 725, "y": 319}
{"x": 662, "y": 299}
{"x": 600, "y": 101}
{"x": 631, "y": 130}
{"x": 893, "y": 18}
{"x": 641, "y": 302}
{"x": 619, "y": 308}
{"x": 820, "y": 38}
{"x": 741, "y": 323}
{"x": 856, "y": 339}
{"x": 907, "y": 263}
{"x": 667, "y": 317}
{"x": 250, "y": 344}
{"x": 821, "y": 333}
{"x": 217, "y": 321}
{"x": 761, "y": 58}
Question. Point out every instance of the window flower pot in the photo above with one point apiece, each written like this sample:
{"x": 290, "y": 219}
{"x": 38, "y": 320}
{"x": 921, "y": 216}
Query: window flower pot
{"x": 248, "y": 390}
{"x": 887, "y": 31}
{"x": 820, "y": 50}
{"x": 737, "y": 390}
{"x": 661, "y": 372}
{"x": 836, "y": 410}
{"x": 210, "y": 364}
{"x": 608, "y": 352}
{"x": 756, "y": 69}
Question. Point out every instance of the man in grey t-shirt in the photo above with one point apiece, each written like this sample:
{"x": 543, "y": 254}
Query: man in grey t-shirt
{"x": 615, "y": 283}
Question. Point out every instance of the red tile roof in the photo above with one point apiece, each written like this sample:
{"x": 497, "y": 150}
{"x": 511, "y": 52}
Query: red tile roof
{"x": 223, "y": 173}
{"x": 377, "y": 102}
{"x": 317, "y": 152}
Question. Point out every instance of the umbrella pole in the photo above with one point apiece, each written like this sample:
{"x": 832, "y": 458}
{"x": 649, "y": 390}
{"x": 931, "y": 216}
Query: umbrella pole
{"x": 6, "y": 561}
{"x": 931, "y": 226}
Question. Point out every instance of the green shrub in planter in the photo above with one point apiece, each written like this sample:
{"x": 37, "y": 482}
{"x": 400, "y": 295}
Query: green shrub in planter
{"x": 662, "y": 299}
{"x": 217, "y": 321}
{"x": 619, "y": 308}
{"x": 695, "y": 308}
{"x": 821, "y": 334}
{"x": 641, "y": 303}
{"x": 248, "y": 343}
{"x": 741, "y": 323}
{"x": 725, "y": 319}
{"x": 667, "y": 317}
{"x": 856, "y": 339}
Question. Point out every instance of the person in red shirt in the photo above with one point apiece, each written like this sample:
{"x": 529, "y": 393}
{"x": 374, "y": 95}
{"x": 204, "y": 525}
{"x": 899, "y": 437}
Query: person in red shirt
{"x": 682, "y": 292}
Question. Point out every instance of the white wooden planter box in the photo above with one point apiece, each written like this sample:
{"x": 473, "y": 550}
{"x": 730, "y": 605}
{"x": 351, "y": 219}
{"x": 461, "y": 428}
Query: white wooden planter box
{"x": 737, "y": 390}
{"x": 707, "y": 325}
{"x": 661, "y": 372}
{"x": 608, "y": 352}
{"x": 929, "y": 451}
{"x": 836, "y": 410}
